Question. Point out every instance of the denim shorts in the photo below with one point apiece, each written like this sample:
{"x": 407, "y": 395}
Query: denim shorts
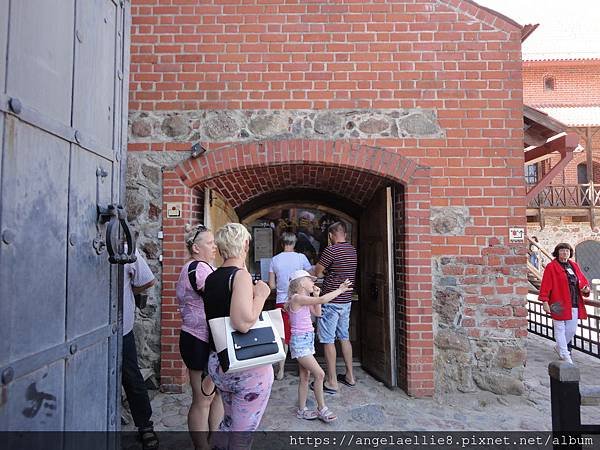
{"x": 302, "y": 344}
{"x": 334, "y": 322}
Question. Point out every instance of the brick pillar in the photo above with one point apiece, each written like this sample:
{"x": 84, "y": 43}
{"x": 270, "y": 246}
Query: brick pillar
{"x": 414, "y": 305}
{"x": 173, "y": 374}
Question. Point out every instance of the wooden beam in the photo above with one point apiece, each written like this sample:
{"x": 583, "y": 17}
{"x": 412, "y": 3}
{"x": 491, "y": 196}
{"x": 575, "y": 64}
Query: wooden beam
{"x": 565, "y": 146}
{"x": 546, "y": 179}
{"x": 560, "y": 144}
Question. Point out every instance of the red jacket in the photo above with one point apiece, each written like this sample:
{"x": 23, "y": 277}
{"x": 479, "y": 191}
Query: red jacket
{"x": 555, "y": 290}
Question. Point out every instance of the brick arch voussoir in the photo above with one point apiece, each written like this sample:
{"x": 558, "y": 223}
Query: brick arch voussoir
{"x": 374, "y": 160}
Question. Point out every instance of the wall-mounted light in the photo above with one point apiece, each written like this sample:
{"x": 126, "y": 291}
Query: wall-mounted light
{"x": 197, "y": 150}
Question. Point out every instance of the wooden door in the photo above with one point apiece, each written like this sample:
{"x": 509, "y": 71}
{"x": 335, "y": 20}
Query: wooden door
{"x": 376, "y": 288}
{"x": 217, "y": 212}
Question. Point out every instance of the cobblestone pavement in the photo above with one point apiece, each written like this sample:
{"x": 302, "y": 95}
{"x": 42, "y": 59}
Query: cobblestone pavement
{"x": 372, "y": 406}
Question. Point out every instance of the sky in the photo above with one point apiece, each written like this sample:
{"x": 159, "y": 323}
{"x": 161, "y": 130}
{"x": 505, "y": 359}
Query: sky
{"x": 568, "y": 28}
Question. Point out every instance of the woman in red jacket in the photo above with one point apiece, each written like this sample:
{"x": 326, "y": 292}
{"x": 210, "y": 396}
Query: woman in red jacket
{"x": 562, "y": 290}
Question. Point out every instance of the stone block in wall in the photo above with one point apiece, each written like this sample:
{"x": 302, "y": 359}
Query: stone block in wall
{"x": 248, "y": 125}
{"x": 498, "y": 383}
{"x": 509, "y": 357}
{"x": 450, "y": 221}
{"x": 447, "y": 304}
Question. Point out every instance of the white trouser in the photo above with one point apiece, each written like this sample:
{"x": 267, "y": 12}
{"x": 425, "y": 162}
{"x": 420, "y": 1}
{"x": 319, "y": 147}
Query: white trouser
{"x": 564, "y": 330}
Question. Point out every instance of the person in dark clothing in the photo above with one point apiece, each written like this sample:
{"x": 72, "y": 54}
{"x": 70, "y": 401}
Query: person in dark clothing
{"x": 138, "y": 278}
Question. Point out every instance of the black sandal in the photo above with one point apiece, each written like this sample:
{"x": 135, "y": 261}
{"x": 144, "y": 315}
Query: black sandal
{"x": 148, "y": 437}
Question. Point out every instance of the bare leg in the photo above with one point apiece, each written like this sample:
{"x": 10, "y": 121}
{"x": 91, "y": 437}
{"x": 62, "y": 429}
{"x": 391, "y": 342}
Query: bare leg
{"x": 347, "y": 354}
{"x": 200, "y": 408}
{"x": 303, "y": 386}
{"x": 215, "y": 416}
{"x": 308, "y": 365}
{"x": 330, "y": 356}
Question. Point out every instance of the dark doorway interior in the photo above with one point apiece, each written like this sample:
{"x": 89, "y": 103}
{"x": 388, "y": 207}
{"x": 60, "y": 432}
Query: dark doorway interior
{"x": 370, "y": 230}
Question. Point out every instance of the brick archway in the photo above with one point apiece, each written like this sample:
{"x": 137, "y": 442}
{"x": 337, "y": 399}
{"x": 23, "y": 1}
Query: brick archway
{"x": 244, "y": 172}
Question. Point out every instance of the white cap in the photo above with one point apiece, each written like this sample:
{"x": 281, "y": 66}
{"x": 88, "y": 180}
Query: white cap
{"x": 301, "y": 274}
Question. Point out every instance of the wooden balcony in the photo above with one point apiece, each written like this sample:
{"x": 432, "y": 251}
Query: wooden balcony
{"x": 577, "y": 200}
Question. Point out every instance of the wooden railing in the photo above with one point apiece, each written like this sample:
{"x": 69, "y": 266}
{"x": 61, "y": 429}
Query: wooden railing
{"x": 567, "y": 196}
{"x": 535, "y": 265}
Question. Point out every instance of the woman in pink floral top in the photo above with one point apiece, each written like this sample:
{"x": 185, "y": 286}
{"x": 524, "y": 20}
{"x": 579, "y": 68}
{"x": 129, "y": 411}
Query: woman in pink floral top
{"x": 206, "y": 410}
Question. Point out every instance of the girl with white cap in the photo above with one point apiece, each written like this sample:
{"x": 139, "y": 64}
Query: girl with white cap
{"x": 303, "y": 298}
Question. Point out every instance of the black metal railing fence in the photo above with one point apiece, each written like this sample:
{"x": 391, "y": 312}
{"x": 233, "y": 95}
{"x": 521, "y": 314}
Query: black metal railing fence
{"x": 588, "y": 331}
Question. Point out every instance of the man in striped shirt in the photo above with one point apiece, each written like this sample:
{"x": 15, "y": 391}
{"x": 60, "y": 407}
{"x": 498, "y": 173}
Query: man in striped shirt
{"x": 338, "y": 262}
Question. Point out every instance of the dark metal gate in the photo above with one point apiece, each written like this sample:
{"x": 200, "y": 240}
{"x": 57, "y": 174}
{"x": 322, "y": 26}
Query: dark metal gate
{"x": 587, "y": 254}
{"x": 63, "y": 72}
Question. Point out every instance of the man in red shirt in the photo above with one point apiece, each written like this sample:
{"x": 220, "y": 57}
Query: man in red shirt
{"x": 338, "y": 262}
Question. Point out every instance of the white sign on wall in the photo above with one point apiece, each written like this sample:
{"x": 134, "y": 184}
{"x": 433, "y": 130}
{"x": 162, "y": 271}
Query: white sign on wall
{"x": 516, "y": 234}
{"x": 174, "y": 210}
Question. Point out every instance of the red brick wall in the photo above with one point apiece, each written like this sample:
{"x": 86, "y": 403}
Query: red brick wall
{"x": 576, "y": 83}
{"x": 570, "y": 172}
{"x": 188, "y": 54}
{"x": 446, "y": 55}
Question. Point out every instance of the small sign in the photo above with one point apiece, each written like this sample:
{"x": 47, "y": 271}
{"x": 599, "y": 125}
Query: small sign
{"x": 516, "y": 234}
{"x": 173, "y": 210}
{"x": 263, "y": 242}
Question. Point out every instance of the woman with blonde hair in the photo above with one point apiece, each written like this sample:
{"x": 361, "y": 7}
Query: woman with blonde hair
{"x": 229, "y": 291}
{"x": 206, "y": 410}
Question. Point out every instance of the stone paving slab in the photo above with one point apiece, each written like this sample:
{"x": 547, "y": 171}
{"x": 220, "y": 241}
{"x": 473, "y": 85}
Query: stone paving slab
{"x": 371, "y": 406}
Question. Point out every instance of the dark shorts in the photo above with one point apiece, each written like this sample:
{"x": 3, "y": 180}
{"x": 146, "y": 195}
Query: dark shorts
{"x": 194, "y": 352}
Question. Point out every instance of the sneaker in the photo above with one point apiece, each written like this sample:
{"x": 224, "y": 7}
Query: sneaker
{"x": 568, "y": 359}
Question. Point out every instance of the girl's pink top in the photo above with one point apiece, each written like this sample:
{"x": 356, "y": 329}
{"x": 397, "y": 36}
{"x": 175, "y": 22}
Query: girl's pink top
{"x": 300, "y": 322}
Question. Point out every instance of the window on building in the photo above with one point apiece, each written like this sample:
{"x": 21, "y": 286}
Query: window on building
{"x": 531, "y": 173}
{"x": 549, "y": 83}
{"x": 582, "y": 175}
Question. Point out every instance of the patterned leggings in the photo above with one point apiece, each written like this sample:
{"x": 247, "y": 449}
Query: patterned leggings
{"x": 245, "y": 394}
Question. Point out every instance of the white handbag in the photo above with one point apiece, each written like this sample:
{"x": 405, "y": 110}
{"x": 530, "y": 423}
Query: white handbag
{"x": 260, "y": 346}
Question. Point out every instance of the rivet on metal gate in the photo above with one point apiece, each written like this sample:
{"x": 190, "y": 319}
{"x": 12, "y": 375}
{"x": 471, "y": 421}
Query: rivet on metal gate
{"x": 7, "y": 375}
{"x": 78, "y": 136}
{"x": 8, "y": 236}
{"x": 73, "y": 349}
{"x": 79, "y": 36}
{"x": 114, "y": 328}
{"x": 73, "y": 240}
{"x": 15, "y": 105}
{"x": 112, "y": 419}
{"x": 106, "y": 20}
{"x": 118, "y": 156}
{"x": 120, "y": 74}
